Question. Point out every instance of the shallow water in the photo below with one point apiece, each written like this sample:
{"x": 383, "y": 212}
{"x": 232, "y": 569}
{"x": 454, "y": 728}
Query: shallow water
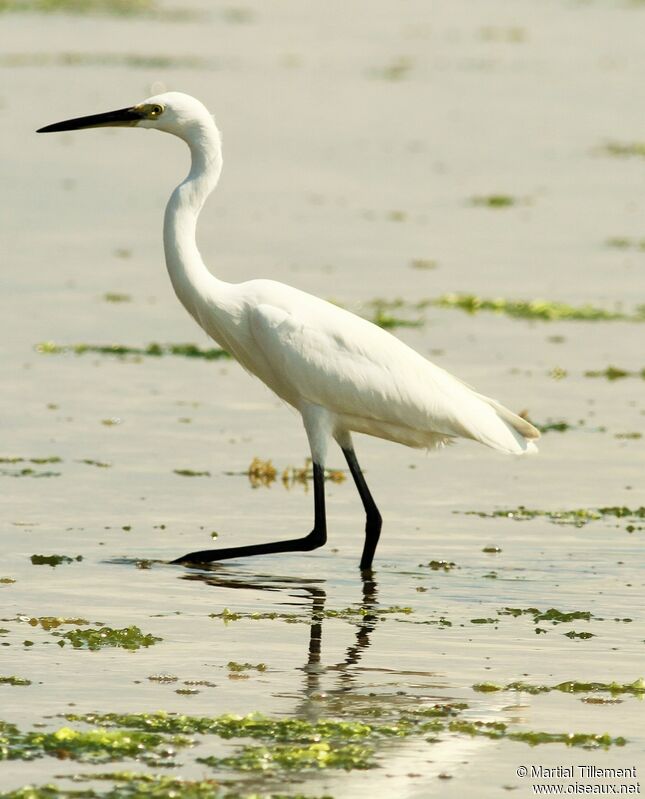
{"x": 351, "y": 150}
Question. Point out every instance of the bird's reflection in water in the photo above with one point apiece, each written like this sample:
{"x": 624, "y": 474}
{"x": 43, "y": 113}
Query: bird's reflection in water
{"x": 311, "y": 707}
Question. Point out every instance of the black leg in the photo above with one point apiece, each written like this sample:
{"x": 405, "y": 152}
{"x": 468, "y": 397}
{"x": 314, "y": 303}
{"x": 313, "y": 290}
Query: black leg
{"x": 316, "y": 538}
{"x": 373, "y": 521}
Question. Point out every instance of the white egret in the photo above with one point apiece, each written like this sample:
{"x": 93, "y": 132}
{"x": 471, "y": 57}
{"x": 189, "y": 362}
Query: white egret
{"x": 342, "y": 373}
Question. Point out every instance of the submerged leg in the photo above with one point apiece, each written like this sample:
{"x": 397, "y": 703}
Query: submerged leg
{"x": 373, "y": 520}
{"x": 316, "y": 538}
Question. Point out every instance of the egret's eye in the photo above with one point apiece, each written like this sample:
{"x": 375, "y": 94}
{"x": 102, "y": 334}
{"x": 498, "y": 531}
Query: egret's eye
{"x": 156, "y": 110}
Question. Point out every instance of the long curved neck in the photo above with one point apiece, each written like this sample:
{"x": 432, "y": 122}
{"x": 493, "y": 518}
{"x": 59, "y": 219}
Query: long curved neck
{"x": 189, "y": 276}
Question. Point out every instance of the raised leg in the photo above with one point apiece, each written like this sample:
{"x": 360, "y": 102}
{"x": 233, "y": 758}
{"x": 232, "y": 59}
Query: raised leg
{"x": 373, "y": 520}
{"x": 316, "y": 538}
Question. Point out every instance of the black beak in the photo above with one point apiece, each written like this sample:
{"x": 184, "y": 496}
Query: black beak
{"x": 122, "y": 117}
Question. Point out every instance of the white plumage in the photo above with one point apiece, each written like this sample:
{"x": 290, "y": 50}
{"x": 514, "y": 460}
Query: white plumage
{"x": 343, "y": 373}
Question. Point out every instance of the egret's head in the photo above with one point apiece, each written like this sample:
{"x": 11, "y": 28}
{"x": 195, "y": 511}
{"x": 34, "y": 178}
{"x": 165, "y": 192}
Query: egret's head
{"x": 172, "y": 112}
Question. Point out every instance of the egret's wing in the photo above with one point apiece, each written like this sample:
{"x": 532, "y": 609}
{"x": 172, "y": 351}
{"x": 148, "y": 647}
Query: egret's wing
{"x": 330, "y": 357}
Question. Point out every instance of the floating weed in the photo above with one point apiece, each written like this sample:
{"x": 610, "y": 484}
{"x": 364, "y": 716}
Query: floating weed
{"x": 494, "y": 200}
{"x": 535, "y": 309}
{"x": 624, "y": 243}
{"x": 238, "y": 667}
{"x": 131, "y": 638}
{"x": 114, "y": 296}
{"x": 136, "y": 786}
{"x": 496, "y": 729}
{"x": 299, "y": 745}
{"x": 153, "y": 350}
{"x": 53, "y": 560}
{"x": 397, "y": 70}
{"x": 27, "y": 471}
{"x": 6, "y": 580}
{"x": 303, "y": 475}
{"x": 577, "y": 517}
{"x": 320, "y": 755}
{"x": 52, "y": 622}
{"x": 14, "y": 681}
{"x": 423, "y": 263}
{"x": 573, "y": 686}
{"x": 615, "y": 373}
{"x": 553, "y": 615}
{"x": 262, "y": 474}
{"x": 439, "y": 565}
{"x": 92, "y": 746}
{"x": 98, "y": 464}
{"x": 18, "y": 459}
{"x": 113, "y": 7}
{"x": 191, "y": 473}
{"x": 131, "y": 785}
{"x": 356, "y": 615}
{"x": 582, "y": 636}
{"x": 625, "y": 149}
{"x": 383, "y": 317}
{"x": 253, "y": 725}
{"x": 562, "y": 427}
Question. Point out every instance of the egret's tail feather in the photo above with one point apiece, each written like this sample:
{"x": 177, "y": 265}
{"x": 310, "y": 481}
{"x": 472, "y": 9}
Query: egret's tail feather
{"x": 509, "y": 432}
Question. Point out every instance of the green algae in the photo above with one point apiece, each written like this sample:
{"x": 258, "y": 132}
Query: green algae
{"x": 625, "y": 149}
{"x": 352, "y": 614}
{"x": 27, "y": 471}
{"x": 612, "y": 373}
{"x": 53, "y": 560}
{"x": 319, "y": 755}
{"x": 263, "y": 474}
{"x": 583, "y": 636}
{"x": 636, "y": 688}
{"x": 238, "y": 667}
{"x": 625, "y": 243}
{"x": 14, "y": 681}
{"x": 116, "y": 297}
{"x": 396, "y": 70}
{"x": 535, "y": 309}
{"x": 383, "y": 317}
{"x": 496, "y": 730}
{"x": 131, "y": 638}
{"x": 553, "y": 615}
{"x": 253, "y": 725}
{"x": 98, "y": 464}
{"x": 577, "y": 517}
{"x": 153, "y": 350}
{"x": 191, "y": 473}
{"x": 115, "y": 7}
{"x": 91, "y": 746}
{"x": 495, "y": 200}
{"x": 440, "y": 565}
{"x": 132, "y": 60}
{"x": 135, "y": 785}
{"x": 18, "y": 459}
{"x": 51, "y": 622}
{"x": 538, "y": 309}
